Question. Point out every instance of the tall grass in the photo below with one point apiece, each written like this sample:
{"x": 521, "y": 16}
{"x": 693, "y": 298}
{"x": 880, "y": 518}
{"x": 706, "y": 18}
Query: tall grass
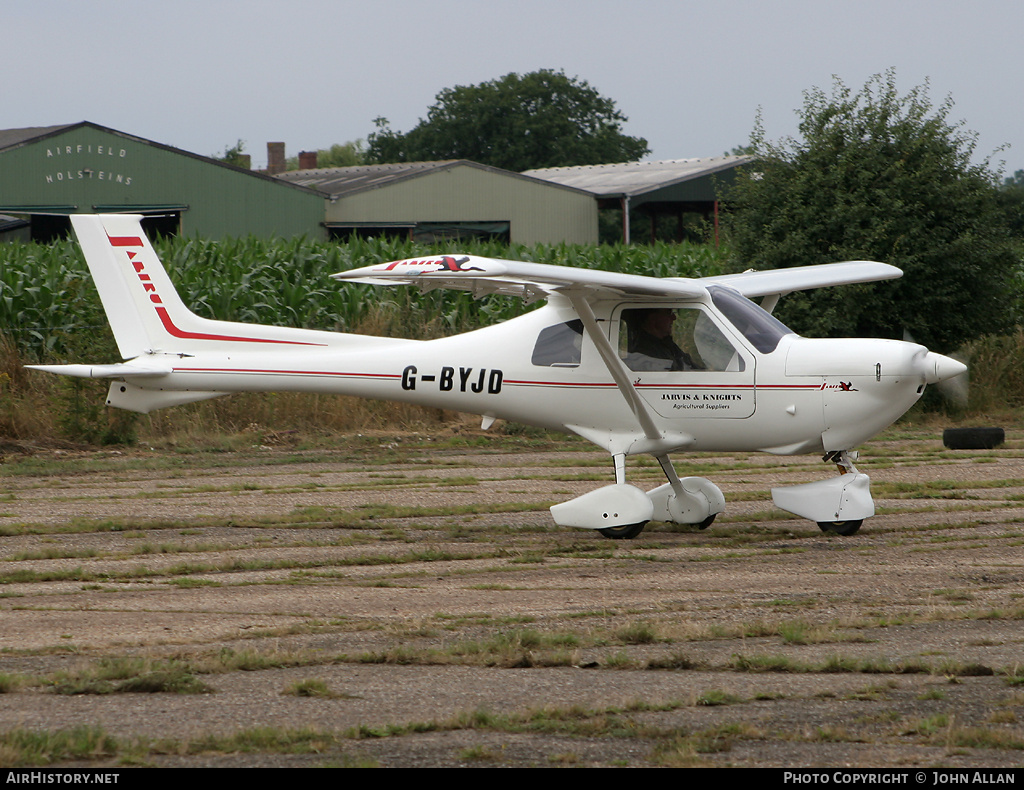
{"x": 996, "y": 373}
{"x": 46, "y": 295}
{"x": 48, "y": 303}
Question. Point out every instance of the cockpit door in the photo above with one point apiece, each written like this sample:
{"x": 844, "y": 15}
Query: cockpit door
{"x": 684, "y": 362}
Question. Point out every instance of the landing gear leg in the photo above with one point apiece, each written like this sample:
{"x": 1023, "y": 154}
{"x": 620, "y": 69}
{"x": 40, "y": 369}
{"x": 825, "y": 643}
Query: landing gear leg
{"x": 843, "y": 460}
{"x": 627, "y": 531}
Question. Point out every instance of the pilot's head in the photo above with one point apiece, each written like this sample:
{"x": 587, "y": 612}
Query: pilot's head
{"x": 658, "y": 321}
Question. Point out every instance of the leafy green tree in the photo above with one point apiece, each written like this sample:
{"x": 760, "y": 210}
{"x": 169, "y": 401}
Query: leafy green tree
{"x": 342, "y": 154}
{"x": 1012, "y": 198}
{"x": 880, "y": 176}
{"x": 347, "y": 154}
{"x": 516, "y": 122}
{"x": 386, "y": 145}
{"x": 234, "y": 155}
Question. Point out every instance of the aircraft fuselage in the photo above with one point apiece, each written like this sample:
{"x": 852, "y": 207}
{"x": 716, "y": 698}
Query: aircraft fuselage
{"x": 806, "y": 395}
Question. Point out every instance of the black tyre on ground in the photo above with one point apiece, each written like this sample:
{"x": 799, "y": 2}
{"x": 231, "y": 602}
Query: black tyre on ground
{"x": 840, "y": 527}
{"x": 707, "y": 522}
{"x": 973, "y": 438}
{"x": 625, "y": 532}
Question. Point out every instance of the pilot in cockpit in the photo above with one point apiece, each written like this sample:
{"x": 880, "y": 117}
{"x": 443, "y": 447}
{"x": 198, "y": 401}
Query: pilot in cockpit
{"x": 650, "y": 345}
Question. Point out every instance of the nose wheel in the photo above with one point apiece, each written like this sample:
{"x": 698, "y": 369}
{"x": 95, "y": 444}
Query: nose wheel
{"x": 844, "y": 463}
{"x": 838, "y": 506}
{"x": 840, "y": 527}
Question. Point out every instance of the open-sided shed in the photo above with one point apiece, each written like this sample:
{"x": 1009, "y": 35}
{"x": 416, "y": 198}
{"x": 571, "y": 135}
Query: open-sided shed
{"x": 667, "y": 187}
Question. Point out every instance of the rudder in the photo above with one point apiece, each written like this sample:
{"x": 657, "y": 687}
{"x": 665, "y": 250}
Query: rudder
{"x": 144, "y": 309}
{"x": 137, "y": 295}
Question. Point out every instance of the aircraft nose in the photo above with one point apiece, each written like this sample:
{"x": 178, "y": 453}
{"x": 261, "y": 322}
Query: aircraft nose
{"x": 937, "y": 367}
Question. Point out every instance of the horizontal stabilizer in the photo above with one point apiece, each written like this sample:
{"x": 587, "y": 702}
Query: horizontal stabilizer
{"x": 125, "y": 370}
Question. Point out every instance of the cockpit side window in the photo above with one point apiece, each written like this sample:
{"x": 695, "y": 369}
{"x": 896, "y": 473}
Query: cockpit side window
{"x": 669, "y": 338}
{"x": 559, "y": 346}
{"x": 758, "y": 326}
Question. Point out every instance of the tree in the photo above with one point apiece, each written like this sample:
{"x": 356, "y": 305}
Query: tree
{"x": 1012, "y": 199}
{"x": 880, "y": 176}
{"x": 234, "y": 155}
{"x": 540, "y": 119}
{"x": 347, "y": 154}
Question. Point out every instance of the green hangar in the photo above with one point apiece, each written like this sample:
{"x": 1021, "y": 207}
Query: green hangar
{"x": 429, "y": 201}
{"x": 49, "y": 172}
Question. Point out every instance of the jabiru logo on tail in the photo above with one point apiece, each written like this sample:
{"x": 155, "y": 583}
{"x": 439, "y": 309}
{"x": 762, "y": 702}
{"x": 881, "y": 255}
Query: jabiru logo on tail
{"x": 123, "y": 242}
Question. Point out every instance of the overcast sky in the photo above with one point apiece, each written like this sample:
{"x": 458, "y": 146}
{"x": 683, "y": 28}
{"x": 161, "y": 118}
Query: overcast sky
{"x": 690, "y": 75}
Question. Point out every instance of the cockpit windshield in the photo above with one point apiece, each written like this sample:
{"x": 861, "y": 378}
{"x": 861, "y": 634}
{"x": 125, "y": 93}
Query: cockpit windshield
{"x": 758, "y": 326}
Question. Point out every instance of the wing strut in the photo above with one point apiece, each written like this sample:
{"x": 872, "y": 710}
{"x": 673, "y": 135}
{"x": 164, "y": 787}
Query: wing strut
{"x": 621, "y": 374}
{"x": 614, "y": 364}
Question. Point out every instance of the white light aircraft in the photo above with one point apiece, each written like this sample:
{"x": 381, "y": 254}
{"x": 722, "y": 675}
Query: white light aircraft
{"x": 633, "y": 364}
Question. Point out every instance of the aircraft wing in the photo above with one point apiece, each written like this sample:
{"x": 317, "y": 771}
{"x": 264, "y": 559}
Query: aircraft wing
{"x": 804, "y": 278}
{"x": 532, "y": 281}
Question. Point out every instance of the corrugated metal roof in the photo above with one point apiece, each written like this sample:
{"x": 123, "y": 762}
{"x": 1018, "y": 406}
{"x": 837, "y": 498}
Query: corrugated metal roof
{"x": 342, "y": 181}
{"x": 345, "y": 180}
{"x": 11, "y": 137}
{"x": 636, "y": 178}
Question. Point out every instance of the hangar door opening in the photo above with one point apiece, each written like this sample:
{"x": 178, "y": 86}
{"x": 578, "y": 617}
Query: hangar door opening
{"x": 426, "y": 232}
{"x": 47, "y": 228}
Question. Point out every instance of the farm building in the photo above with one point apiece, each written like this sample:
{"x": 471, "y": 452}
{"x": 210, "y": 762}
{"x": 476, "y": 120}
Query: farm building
{"x": 49, "y": 172}
{"x": 457, "y": 198}
{"x": 671, "y": 187}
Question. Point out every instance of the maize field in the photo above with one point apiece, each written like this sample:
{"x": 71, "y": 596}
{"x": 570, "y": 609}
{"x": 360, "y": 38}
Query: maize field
{"x": 49, "y": 307}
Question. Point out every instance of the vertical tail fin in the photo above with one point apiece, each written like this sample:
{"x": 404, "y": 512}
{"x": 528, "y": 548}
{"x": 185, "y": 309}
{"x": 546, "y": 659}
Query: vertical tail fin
{"x": 145, "y": 312}
{"x": 137, "y": 295}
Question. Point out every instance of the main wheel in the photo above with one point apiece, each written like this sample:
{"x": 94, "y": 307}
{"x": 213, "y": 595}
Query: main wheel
{"x": 625, "y": 532}
{"x": 707, "y": 522}
{"x": 840, "y": 527}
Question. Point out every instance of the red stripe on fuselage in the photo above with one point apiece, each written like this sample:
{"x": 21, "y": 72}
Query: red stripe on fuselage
{"x": 165, "y": 318}
{"x": 510, "y": 382}
{"x": 173, "y": 330}
{"x": 269, "y": 371}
